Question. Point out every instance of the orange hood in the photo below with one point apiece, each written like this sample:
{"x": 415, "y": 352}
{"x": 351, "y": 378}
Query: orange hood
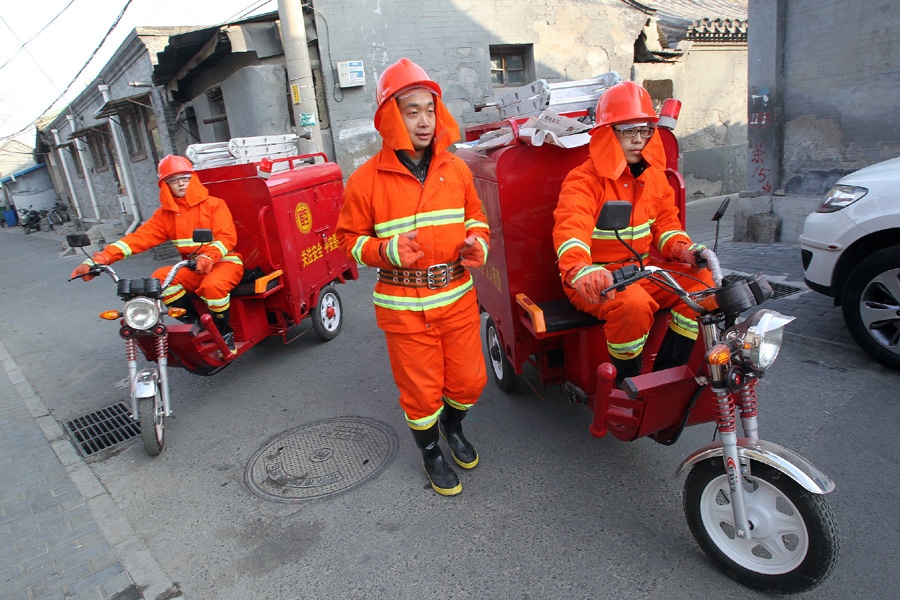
{"x": 195, "y": 194}
{"x": 609, "y": 158}
{"x": 389, "y": 123}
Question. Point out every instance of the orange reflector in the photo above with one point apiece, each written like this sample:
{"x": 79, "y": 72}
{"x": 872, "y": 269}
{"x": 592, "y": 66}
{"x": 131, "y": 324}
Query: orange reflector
{"x": 110, "y": 315}
{"x": 177, "y": 312}
{"x": 719, "y": 355}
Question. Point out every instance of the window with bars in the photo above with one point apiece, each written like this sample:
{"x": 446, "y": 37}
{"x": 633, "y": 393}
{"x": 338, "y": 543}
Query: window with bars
{"x": 96, "y": 142}
{"x": 132, "y": 123}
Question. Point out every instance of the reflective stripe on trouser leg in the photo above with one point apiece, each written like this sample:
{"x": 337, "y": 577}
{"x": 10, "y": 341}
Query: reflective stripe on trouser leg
{"x": 628, "y": 316}
{"x": 215, "y": 287}
{"x": 430, "y": 365}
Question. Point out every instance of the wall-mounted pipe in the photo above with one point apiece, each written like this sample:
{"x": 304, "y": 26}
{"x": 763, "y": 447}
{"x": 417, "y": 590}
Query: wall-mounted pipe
{"x": 65, "y": 166}
{"x": 88, "y": 177}
{"x": 122, "y": 152}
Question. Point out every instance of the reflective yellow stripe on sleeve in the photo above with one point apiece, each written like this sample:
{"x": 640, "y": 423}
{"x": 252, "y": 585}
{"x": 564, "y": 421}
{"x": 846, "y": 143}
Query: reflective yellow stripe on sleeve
{"x": 125, "y": 248}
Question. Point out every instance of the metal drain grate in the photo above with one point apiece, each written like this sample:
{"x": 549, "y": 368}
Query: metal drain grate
{"x": 782, "y": 290}
{"x": 102, "y": 429}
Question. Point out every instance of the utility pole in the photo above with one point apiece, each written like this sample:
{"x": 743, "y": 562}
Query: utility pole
{"x": 303, "y": 91}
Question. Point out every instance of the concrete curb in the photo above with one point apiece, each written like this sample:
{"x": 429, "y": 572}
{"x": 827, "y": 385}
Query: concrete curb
{"x": 135, "y": 557}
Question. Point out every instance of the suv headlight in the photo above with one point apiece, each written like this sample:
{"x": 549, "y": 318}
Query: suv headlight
{"x": 141, "y": 313}
{"x": 760, "y": 337}
{"x": 841, "y": 196}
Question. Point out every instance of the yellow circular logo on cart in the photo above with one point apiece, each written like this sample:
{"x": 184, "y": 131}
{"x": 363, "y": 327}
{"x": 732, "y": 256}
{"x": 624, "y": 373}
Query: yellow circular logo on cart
{"x": 304, "y": 217}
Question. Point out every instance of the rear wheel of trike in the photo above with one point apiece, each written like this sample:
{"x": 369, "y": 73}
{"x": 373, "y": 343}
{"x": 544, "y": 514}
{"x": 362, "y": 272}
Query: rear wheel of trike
{"x": 153, "y": 432}
{"x": 328, "y": 316}
{"x": 795, "y": 541}
{"x": 504, "y": 374}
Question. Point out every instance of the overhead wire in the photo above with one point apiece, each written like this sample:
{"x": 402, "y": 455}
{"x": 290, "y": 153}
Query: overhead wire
{"x": 247, "y": 10}
{"x": 77, "y": 75}
{"x": 32, "y": 38}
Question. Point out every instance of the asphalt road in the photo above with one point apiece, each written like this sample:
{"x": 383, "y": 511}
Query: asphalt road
{"x": 549, "y": 513}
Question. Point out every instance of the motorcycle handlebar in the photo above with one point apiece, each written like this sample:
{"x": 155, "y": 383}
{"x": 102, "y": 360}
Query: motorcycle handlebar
{"x": 190, "y": 263}
{"x": 629, "y": 274}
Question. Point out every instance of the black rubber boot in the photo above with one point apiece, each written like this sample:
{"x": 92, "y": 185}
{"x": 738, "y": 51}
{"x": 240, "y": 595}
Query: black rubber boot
{"x": 190, "y": 317}
{"x": 674, "y": 351}
{"x": 442, "y": 477}
{"x": 221, "y": 319}
{"x": 450, "y": 425}
{"x": 626, "y": 368}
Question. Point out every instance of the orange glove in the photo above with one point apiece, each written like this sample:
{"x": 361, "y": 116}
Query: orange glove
{"x": 81, "y": 270}
{"x": 473, "y": 252}
{"x": 204, "y": 264}
{"x": 590, "y": 281}
{"x": 402, "y": 250}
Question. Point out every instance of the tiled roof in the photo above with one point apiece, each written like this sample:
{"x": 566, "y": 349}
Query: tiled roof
{"x": 711, "y": 21}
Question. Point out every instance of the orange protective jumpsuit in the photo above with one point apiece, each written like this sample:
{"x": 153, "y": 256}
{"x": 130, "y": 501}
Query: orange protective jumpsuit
{"x": 176, "y": 220}
{"x": 654, "y": 223}
{"x": 433, "y": 335}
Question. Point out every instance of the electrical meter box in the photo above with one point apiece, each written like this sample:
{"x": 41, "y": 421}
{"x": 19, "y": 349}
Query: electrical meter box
{"x": 351, "y": 73}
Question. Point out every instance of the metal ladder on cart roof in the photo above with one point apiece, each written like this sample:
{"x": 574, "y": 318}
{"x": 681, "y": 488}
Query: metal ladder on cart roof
{"x": 565, "y": 97}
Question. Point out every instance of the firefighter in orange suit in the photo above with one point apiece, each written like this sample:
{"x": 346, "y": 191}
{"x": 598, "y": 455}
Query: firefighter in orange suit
{"x": 412, "y": 212}
{"x": 186, "y": 205}
{"x": 627, "y": 162}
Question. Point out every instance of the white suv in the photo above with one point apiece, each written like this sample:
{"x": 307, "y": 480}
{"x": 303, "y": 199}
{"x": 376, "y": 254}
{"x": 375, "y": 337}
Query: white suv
{"x": 851, "y": 251}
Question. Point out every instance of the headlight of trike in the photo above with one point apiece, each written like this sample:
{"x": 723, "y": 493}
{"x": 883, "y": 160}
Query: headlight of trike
{"x": 760, "y": 337}
{"x": 141, "y": 313}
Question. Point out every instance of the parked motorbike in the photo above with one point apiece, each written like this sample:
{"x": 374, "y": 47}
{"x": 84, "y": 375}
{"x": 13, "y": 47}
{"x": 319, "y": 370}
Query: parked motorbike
{"x": 143, "y": 319}
{"x": 60, "y": 212}
{"x": 30, "y": 219}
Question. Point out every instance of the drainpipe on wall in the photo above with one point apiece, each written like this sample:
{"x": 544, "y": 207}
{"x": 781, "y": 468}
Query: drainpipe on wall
{"x": 119, "y": 142}
{"x": 302, "y": 89}
{"x": 62, "y": 161}
{"x": 84, "y": 169}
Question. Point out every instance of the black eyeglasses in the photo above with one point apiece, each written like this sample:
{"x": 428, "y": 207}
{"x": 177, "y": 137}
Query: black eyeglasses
{"x": 630, "y": 131}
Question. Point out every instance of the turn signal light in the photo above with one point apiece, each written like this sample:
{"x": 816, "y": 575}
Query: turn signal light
{"x": 110, "y": 315}
{"x": 719, "y": 354}
{"x": 177, "y": 312}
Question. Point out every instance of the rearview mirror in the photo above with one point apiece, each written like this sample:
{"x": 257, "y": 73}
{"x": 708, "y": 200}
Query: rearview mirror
{"x": 78, "y": 240}
{"x": 720, "y": 212}
{"x": 203, "y": 236}
{"x": 615, "y": 214}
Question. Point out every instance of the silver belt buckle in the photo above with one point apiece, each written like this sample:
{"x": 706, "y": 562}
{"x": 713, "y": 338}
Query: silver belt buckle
{"x": 438, "y": 276}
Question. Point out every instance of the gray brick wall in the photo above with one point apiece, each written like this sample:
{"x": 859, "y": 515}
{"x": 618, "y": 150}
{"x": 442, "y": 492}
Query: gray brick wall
{"x": 451, "y": 40}
{"x": 842, "y": 87}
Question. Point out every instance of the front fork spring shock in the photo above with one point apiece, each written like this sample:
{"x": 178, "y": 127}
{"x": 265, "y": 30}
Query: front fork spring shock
{"x": 746, "y": 399}
{"x": 130, "y": 350}
{"x": 725, "y": 414}
{"x": 162, "y": 347}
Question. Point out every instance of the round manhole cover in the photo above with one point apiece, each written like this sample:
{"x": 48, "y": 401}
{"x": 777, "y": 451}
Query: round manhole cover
{"x": 321, "y": 459}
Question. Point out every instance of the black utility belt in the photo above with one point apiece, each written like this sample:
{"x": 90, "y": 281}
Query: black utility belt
{"x": 434, "y": 277}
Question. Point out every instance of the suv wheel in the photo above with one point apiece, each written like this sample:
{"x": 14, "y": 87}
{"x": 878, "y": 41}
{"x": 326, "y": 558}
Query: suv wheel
{"x": 871, "y": 305}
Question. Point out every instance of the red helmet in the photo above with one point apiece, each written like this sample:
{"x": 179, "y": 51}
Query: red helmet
{"x": 623, "y": 102}
{"x": 173, "y": 165}
{"x": 403, "y": 74}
